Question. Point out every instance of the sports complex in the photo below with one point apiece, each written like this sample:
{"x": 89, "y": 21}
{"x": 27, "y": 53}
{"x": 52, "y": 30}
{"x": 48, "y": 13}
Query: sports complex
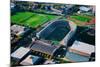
{"x": 31, "y": 19}
{"x": 55, "y": 31}
{"x": 47, "y": 33}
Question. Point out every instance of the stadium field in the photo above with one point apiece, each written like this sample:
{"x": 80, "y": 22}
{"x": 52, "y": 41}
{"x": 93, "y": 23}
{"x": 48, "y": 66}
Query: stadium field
{"x": 31, "y": 19}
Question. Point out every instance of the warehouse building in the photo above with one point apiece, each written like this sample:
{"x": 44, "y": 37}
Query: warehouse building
{"x": 82, "y": 48}
{"x": 19, "y": 55}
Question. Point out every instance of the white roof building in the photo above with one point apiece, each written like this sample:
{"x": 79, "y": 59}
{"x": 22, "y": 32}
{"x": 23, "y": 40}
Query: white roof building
{"x": 82, "y": 8}
{"x": 20, "y": 53}
{"x": 82, "y": 48}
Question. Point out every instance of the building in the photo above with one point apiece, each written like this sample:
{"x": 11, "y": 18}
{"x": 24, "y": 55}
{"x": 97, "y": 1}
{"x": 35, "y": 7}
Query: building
{"x": 84, "y": 9}
{"x": 17, "y": 32}
{"x": 58, "y": 30}
{"x": 74, "y": 57}
{"x": 88, "y": 10}
{"x": 20, "y": 54}
{"x": 32, "y": 60}
{"x": 47, "y": 51}
{"x": 82, "y": 48}
{"x": 56, "y": 11}
{"x": 69, "y": 9}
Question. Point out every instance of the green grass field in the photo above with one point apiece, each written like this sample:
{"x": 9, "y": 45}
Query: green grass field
{"x": 81, "y": 18}
{"x": 20, "y": 16}
{"x": 31, "y": 19}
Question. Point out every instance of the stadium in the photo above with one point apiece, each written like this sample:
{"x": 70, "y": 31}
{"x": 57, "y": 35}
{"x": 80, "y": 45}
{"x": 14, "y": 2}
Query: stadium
{"x": 60, "y": 31}
{"x": 31, "y": 19}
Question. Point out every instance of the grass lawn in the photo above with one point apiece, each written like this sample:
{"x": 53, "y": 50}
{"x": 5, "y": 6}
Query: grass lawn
{"x": 81, "y": 18}
{"x": 31, "y": 19}
{"x": 55, "y": 42}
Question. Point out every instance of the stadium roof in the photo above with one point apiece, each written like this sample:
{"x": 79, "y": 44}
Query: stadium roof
{"x": 43, "y": 47}
{"x": 20, "y": 53}
{"x": 50, "y": 28}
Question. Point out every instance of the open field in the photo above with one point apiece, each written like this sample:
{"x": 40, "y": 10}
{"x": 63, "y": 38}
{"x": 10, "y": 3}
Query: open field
{"x": 20, "y": 16}
{"x": 81, "y": 20}
{"x": 31, "y": 19}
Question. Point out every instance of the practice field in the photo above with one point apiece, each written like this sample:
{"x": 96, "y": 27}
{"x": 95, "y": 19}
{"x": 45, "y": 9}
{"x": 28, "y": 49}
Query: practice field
{"x": 81, "y": 18}
{"x": 31, "y": 19}
{"x": 20, "y": 16}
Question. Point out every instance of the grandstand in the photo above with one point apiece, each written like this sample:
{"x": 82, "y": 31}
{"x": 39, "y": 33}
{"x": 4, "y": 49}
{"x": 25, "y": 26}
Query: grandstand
{"x": 47, "y": 50}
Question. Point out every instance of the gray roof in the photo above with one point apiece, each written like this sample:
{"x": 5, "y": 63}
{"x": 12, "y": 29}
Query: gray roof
{"x": 43, "y": 47}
